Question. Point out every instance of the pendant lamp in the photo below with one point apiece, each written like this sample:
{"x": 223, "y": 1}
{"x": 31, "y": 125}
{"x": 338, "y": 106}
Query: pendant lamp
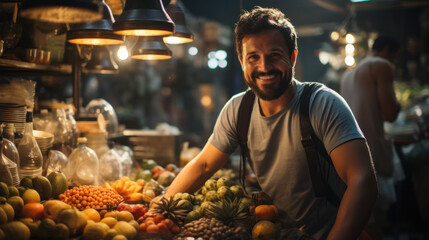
{"x": 62, "y": 11}
{"x": 151, "y": 48}
{"x": 101, "y": 61}
{"x": 96, "y": 32}
{"x": 181, "y": 31}
{"x": 144, "y": 18}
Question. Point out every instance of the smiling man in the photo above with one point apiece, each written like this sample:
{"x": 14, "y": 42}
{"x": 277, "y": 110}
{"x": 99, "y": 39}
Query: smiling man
{"x": 266, "y": 44}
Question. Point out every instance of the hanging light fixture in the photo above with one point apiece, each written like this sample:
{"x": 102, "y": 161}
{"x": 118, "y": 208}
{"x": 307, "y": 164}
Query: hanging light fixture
{"x": 144, "y": 18}
{"x": 96, "y": 32}
{"x": 181, "y": 31}
{"x": 101, "y": 61}
{"x": 64, "y": 11}
{"x": 151, "y": 48}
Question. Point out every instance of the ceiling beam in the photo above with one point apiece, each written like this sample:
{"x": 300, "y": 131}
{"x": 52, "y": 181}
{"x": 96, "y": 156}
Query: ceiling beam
{"x": 368, "y": 6}
{"x": 330, "y": 6}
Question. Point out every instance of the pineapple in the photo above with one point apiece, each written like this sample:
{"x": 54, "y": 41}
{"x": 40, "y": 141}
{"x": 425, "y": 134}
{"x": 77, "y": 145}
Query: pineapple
{"x": 229, "y": 211}
{"x": 171, "y": 209}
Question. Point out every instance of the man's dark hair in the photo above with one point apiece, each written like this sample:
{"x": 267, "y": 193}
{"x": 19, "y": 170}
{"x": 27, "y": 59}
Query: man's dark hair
{"x": 385, "y": 41}
{"x": 261, "y": 19}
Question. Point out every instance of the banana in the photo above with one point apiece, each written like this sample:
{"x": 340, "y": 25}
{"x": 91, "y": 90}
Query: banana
{"x": 133, "y": 197}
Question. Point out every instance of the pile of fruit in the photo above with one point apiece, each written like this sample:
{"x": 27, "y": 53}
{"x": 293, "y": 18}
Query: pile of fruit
{"x": 46, "y": 208}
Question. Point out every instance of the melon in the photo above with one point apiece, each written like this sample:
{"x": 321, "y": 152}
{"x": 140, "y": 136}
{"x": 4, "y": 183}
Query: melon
{"x": 42, "y": 185}
{"x": 58, "y": 182}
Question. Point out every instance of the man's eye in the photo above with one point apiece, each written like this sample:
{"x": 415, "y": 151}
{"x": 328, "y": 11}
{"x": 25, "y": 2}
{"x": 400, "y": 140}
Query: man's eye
{"x": 276, "y": 55}
{"x": 252, "y": 57}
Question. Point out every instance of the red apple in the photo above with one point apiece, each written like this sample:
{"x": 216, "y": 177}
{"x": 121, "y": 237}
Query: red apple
{"x": 124, "y": 207}
{"x": 102, "y": 212}
{"x": 139, "y": 210}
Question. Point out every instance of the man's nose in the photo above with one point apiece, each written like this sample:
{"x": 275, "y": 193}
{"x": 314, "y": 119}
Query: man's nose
{"x": 265, "y": 64}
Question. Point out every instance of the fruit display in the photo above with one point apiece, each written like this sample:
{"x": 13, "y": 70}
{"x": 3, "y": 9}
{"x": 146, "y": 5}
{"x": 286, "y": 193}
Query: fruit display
{"x": 134, "y": 208}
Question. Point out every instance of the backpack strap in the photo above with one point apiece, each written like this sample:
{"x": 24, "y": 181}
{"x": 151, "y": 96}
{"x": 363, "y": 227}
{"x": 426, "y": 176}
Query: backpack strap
{"x": 307, "y": 141}
{"x": 243, "y": 122}
{"x": 311, "y": 143}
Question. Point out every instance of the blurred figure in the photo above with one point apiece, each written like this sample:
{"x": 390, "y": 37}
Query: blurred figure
{"x": 368, "y": 89}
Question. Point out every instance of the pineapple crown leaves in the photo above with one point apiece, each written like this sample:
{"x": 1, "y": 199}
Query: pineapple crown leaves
{"x": 228, "y": 211}
{"x": 169, "y": 208}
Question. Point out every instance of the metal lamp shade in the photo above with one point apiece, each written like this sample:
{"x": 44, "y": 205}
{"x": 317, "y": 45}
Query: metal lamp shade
{"x": 62, "y": 11}
{"x": 151, "y": 48}
{"x": 95, "y": 33}
{"x": 181, "y": 31}
{"x": 144, "y": 18}
{"x": 101, "y": 61}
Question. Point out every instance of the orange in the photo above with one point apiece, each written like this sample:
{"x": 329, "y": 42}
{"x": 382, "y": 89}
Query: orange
{"x": 266, "y": 212}
{"x": 92, "y": 214}
{"x": 264, "y": 230}
{"x": 32, "y": 210}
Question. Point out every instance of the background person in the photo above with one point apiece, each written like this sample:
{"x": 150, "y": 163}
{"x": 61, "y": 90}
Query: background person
{"x": 368, "y": 89}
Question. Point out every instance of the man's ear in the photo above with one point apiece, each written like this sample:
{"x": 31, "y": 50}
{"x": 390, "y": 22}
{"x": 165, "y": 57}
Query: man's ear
{"x": 293, "y": 57}
{"x": 241, "y": 62}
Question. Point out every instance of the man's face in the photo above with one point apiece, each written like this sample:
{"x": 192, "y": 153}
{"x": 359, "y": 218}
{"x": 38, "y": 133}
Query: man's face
{"x": 266, "y": 64}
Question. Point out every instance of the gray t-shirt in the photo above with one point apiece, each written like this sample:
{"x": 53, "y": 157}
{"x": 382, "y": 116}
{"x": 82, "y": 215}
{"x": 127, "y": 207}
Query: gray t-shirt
{"x": 278, "y": 158}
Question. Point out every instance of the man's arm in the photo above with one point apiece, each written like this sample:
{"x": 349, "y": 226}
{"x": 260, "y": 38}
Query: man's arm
{"x": 386, "y": 94}
{"x": 353, "y": 163}
{"x": 198, "y": 170}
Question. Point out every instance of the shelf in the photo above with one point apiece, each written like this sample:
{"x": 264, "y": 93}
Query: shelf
{"x": 15, "y": 66}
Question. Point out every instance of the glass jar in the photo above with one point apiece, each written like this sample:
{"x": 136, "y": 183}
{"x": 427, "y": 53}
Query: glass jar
{"x": 30, "y": 156}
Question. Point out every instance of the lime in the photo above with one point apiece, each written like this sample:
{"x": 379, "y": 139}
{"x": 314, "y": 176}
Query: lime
{"x": 149, "y": 164}
{"x": 8, "y": 209}
{"x": 17, "y": 203}
{"x": 146, "y": 175}
{"x": 31, "y": 195}
{"x": 3, "y": 216}
{"x": 4, "y": 190}
{"x": 26, "y": 182}
{"x": 21, "y": 190}
{"x": 13, "y": 191}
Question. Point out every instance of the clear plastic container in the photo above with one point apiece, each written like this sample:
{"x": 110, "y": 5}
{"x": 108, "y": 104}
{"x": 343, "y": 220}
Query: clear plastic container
{"x": 63, "y": 133}
{"x": 57, "y": 161}
{"x": 5, "y": 173}
{"x": 126, "y": 159}
{"x": 45, "y": 121}
{"x": 30, "y": 156}
{"x": 83, "y": 166}
{"x": 9, "y": 148}
{"x": 110, "y": 166}
{"x": 72, "y": 124}
{"x": 97, "y": 141}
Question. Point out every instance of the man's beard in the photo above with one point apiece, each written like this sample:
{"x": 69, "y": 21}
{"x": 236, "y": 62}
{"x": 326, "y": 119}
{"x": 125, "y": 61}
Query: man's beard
{"x": 272, "y": 91}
